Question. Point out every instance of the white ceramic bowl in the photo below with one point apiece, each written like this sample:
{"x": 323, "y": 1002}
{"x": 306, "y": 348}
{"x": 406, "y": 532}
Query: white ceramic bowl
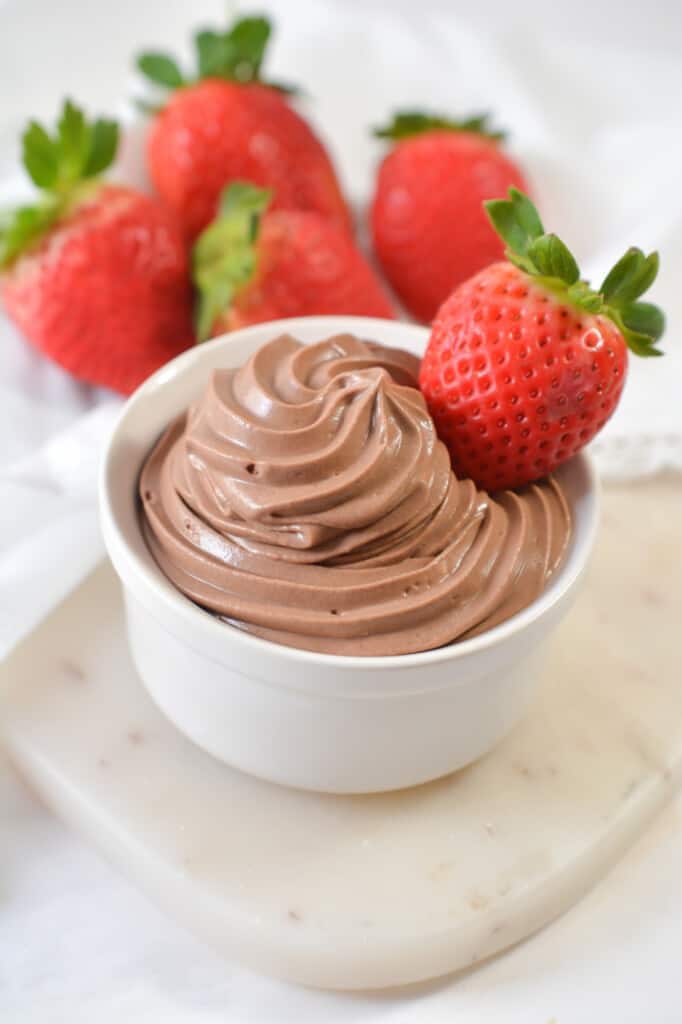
{"x": 316, "y": 721}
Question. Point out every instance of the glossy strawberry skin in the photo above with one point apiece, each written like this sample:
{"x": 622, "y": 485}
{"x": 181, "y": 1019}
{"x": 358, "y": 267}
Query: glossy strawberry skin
{"x": 429, "y": 228}
{"x": 306, "y": 266}
{"x": 517, "y": 381}
{"x": 106, "y": 293}
{"x": 216, "y": 131}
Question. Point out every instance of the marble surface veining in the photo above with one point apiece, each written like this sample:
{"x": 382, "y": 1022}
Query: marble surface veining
{"x": 357, "y": 892}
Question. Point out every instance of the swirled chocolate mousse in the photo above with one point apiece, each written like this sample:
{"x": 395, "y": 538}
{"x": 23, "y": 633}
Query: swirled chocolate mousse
{"x": 307, "y": 499}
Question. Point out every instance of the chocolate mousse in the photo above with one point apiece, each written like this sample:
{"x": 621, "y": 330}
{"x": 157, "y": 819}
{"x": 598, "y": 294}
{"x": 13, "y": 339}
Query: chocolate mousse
{"x": 306, "y": 498}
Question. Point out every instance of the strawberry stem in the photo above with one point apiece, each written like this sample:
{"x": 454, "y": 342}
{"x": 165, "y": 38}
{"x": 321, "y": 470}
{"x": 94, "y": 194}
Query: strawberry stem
{"x": 224, "y": 258}
{"x": 407, "y": 123}
{"x": 546, "y": 257}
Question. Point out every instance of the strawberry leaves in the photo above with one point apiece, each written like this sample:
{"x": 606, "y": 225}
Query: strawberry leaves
{"x": 236, "y": 55}
{"x": 212, "y": 55}
{"x": 580, "y": 294}
{"x": 160, "y": 69}
{"x": 632, "y": 275}
{"x": 71, "y": 143}
{"x": 102, "y": 146}
{"x": 78, "y": 150}
{"x": 406, "y": 123}
{"x": 545, "y": 256}
{"x": 57, "y": 164}
{"x": 518, "y": 223}
{"x": 643, "y": 318}
{"x": 24, "y": 226}
{"x": 224, "y": 258}
{"x": 553, "y": 259}
{"x": 39, "y": 155}
{"x": 642, "y": 323}
{"x": 247, "y": 41}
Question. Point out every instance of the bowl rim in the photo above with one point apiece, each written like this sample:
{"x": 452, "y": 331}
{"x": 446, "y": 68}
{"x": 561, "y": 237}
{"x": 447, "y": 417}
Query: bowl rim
{"x": 156, "y": 583}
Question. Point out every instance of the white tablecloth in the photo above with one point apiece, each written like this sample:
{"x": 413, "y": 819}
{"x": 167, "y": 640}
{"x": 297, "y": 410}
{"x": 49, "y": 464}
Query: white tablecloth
{"x": 592, "y": 99}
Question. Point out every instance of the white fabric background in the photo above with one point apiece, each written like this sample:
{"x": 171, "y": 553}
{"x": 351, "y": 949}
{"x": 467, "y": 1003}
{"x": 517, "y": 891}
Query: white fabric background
{"x": 591, "y": 94}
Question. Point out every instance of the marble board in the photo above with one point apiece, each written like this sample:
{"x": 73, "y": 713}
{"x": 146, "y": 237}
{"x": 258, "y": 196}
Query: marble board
{"x": 368, "y": 892}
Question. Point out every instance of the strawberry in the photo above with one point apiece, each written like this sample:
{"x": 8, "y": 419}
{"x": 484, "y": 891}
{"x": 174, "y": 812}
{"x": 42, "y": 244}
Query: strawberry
{"x": 257, "y": 263}
{"x": 93, "y": 274}
{"x": 526, "y": 362}
{"x": 227, "y": 124}
{"x": 429, "y": 230}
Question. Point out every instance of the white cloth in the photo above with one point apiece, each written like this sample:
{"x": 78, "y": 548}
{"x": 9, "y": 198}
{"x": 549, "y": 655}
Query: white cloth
{"x": 591, "y": 97}
{"x": 49, "y": 533}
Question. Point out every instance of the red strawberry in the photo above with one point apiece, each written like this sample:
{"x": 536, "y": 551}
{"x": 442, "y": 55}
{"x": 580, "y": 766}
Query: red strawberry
{"x": 228, "y": 125}
{"x": 94, "y": 275}
{"x": 428, "y": 226}
{"x": 251, "y": 266}
{"x": 526, "y": 362}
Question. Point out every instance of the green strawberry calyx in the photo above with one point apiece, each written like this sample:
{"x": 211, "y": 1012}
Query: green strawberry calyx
{"x": 235, "y": 55}
{"x": 547, "y": 259}
{"x": 224, "y": 258}
{"x": 406, "y": 123}
{"x": 64, "y": 166}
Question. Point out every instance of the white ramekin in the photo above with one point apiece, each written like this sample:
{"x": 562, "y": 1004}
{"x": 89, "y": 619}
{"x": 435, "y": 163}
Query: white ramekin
{"x": 316, "y": 721}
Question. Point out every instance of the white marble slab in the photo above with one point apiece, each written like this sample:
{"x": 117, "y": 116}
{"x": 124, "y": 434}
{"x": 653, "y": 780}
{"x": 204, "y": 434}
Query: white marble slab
{"x": 360, "y": 892}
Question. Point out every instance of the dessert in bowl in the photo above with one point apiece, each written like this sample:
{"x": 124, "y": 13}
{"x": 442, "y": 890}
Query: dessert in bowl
{"x": 311, "y": 594}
